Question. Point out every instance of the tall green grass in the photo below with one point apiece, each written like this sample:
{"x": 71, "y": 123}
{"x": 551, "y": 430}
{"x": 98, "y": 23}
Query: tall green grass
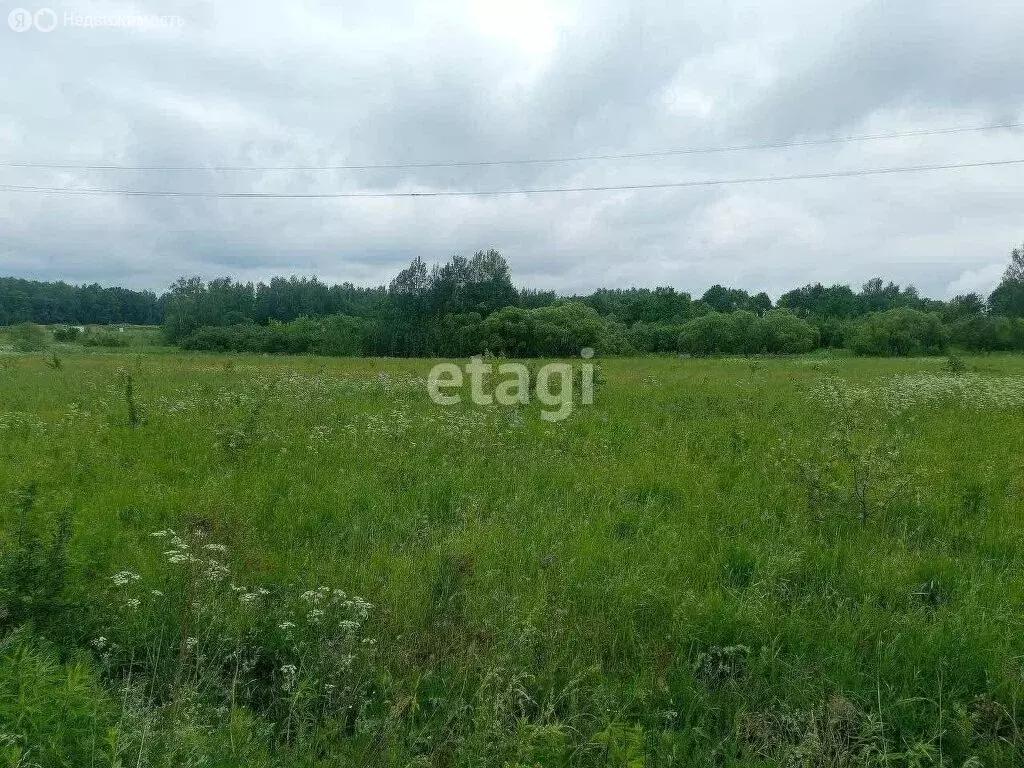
{"x": 807, "y": 561}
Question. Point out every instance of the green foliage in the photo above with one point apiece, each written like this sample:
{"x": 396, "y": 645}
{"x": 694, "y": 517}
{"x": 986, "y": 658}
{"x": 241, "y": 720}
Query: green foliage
{"x": 51, "y": 303}
{"x": 778, "y": 331}
{"x": 712, "y": 334}
{"x": 33, "y": 570}
{"x": 67, "y": 334}
{"x": 781, "y": 332}
{"x": 26, "y": 337}
{"x": 107, "y": 339}
{"x": 988, "y": 333}
{"x": 900, "y": 332}
{"x": 52, "y": 713}
{"x": 336, "y": 335}
{"x": 561, "y": 330}
{"x": 656, "y": 338}
{"x": 442, "y": 309}
{"x": 1008, "y": 299}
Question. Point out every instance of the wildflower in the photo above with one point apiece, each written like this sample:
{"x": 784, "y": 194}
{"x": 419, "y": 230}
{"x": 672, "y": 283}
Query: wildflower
{"x": 99, "y": 643}
{"x": 216, "y": 571}
{"x": 156, "y": 593}
{"x": 215, "y": 548}
{"x": 133, "y": 604}
{"x": 286, "y": 624}
{"x": 124, "y": 578}
{"x": 190, "y": 643}
{"x": 248, "y": 597}
{"x": 289, "y": 671}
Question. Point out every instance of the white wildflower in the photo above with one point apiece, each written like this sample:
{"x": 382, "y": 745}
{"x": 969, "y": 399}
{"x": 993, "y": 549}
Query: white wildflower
{"x": 216, "y": 571}
{"x": 289, "y": 671}
{"x": 125, "y": 577}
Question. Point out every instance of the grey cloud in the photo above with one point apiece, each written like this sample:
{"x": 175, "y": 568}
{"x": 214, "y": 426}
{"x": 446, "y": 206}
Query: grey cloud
{"x": 309, "y": 83}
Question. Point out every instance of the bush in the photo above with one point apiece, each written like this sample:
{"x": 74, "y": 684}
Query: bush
{"x": 833, "y": 332}
{"x": 27, "y": 337}
{"x": 987, "y": 333}
{"x": 558, "y": 331}
{"x": 655, "y": 337}
{"x": 711, "y": 334}
{"x": 781, "y": 332}
{"x": 67, "y": 334}
{"x": 899, "y": 332}
{"x": 33, "y": 571}
{"x": 335, "y": 335}
{"x": 52, "y": 711}
{"x": 104, "y": 339}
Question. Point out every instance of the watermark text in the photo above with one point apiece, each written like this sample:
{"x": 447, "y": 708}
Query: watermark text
{"x": 511, "y": 384}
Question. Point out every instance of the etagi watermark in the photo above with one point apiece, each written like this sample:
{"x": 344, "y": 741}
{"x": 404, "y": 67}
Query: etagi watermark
{"x": 47, "y": 20}
{"x": 554, "y": 384}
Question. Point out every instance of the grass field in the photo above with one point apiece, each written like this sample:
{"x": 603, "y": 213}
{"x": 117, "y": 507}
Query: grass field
{"x": 214, "y": 560}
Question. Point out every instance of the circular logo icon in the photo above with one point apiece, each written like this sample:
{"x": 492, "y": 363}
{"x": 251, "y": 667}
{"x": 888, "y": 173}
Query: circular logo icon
{"x": 45, "y": 19}
{"x": 20, "y": 20}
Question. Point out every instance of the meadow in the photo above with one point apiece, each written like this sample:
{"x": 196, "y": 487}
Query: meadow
{"x": 229, "y": 560}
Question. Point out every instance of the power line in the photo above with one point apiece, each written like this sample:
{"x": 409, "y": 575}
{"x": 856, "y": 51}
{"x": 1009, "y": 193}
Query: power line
{"x": 531, "y": 161}
{"x": 499, "y": 192}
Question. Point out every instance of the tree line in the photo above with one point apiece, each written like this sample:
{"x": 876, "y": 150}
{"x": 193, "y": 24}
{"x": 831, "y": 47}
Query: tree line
{"x": 469, "y": 305}
{"x": 30, "y": 301}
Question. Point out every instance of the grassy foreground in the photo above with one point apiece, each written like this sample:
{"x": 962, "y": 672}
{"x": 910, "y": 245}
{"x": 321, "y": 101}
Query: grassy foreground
{"x": 293, "y": 561}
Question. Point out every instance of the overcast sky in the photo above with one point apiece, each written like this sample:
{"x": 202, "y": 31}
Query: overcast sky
{"x": 300, "y": 82}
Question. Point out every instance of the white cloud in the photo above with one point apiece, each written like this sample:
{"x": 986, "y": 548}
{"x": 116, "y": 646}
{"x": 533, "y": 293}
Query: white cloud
{"x": 981, "y": 281}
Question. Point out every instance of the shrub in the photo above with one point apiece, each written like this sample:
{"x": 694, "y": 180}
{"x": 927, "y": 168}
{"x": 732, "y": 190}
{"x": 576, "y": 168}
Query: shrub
{"x": 33, "y": 570}
{"x": 51, "y": 711}
{"x": 556, "y": 331}
{"x": 655, "y": 337}
{"x": 899, "y": 332}
{"x": 68, "y": 334}
{"x": 104, "y": 339}
{"x": 335, "y": 335}
{"x": 781, "y": 332}
{"x": 710, "y": 334}
{"x": 987, "y": 333}
{"x": 27, "y": 337}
